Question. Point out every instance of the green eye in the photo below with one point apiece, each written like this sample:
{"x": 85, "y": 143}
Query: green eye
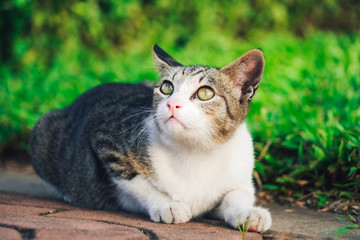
{"x": 205, "y": 93}
{"x": 167, "y": 88}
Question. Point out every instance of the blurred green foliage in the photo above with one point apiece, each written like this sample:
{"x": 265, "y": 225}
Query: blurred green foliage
{"x": 304, "y": 118}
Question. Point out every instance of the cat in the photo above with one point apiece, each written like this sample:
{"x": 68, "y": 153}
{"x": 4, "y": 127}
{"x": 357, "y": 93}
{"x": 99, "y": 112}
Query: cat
{"x": 175, "y": 151}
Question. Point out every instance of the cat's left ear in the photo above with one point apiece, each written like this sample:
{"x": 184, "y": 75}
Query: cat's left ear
{"x": 245, "y": 73}
{"x": 163, "y": 59}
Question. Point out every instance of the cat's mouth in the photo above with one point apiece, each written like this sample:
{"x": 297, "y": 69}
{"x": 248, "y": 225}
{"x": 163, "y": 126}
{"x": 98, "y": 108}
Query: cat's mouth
{"x": 174, "y": 119}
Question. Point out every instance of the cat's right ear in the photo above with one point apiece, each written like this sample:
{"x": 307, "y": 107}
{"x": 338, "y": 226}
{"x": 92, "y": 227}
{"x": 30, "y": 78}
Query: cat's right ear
{"x": 245, "y": 73}
{"x": 163, "y": 59}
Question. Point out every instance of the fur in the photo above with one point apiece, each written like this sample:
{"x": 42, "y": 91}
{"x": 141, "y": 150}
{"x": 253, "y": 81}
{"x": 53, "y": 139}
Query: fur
{"x": 169, "y": 155}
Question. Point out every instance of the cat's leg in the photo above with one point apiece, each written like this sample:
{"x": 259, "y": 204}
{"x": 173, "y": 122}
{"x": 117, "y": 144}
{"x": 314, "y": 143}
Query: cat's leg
{"x": 237, "y": 207}
{"x": 140, "y": 195}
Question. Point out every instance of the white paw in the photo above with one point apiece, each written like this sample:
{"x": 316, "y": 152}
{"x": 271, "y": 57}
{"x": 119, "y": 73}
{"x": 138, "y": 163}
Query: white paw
{"x": 258, "y": 218}
{"x": 173, "y": 212}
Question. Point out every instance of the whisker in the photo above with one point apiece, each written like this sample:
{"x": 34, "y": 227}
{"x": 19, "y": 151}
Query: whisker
{"x": 132, "y": 116}
{"x": 140, "y": 134}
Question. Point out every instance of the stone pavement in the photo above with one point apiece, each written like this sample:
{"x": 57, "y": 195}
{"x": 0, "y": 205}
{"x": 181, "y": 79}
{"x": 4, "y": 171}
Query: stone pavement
{"x": 28, "y": 211}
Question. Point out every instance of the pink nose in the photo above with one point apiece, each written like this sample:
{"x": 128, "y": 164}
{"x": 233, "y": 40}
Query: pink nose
{"x": 173, "y": 105}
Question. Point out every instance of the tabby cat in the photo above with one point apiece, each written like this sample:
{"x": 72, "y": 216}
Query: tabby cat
{"x": 175, "y": 151}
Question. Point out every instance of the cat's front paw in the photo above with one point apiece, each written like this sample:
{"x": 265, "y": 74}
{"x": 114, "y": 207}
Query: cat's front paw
{"x": 258, "y": 218}
{"x": 173, "y": 212}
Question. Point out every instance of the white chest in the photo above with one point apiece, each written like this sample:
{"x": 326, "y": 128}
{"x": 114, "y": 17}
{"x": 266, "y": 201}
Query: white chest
{"x": 200, "y": 180}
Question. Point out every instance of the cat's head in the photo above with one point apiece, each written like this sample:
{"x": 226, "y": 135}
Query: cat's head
{"x": 203, "y": 106}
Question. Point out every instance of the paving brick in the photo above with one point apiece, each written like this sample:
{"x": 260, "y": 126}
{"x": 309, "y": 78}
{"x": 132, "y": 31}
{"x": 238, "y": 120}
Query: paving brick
{"x": 87, "y": 235}
{"x": 9, "y": 234}
{"x": 61, "y": 228}
{"x": 7, "y": 210}
{"x": 200, "y": 229}
{"x": 68, "y": 222}
{"x": 26, "y": 200}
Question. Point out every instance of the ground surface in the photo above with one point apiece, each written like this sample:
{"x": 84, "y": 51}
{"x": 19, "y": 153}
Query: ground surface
{"x": 28, "y": 211}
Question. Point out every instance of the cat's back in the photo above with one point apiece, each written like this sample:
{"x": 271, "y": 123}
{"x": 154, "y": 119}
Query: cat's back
{"x": 60, "y": 139}
{"x": 94, "y": 102}
{"x": 107, "y": 95}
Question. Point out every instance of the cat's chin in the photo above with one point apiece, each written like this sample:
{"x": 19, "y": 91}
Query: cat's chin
{"x": 175, "y": 131}
{"x": 175, "y": 125}
{"x": 184, "y": 139}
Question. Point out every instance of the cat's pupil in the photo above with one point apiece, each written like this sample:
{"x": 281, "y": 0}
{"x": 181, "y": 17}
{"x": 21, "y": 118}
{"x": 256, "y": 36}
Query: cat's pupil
{"x": 167, "y": 88}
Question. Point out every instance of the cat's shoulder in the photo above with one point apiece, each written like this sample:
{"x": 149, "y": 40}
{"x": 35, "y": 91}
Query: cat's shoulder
{"x": 108, "y": 96}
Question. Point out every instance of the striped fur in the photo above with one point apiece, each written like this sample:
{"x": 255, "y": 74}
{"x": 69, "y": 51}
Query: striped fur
{"x": 171, "y": 155}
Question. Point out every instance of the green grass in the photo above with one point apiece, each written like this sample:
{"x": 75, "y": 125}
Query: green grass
{"x": 243, "y": 228}
{"x": 353, "y": 226}
{"x": 308, "y": 110}
{"x": 304, "y": 118}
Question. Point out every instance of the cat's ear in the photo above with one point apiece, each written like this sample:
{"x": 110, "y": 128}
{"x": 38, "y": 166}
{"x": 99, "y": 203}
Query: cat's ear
{"x": 163, "y": 59}
{"x": 245, "y": 73}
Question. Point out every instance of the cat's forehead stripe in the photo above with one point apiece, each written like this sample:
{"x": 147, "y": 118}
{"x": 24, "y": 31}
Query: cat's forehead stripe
{"x": 195, "y": 73}
{"x": 183, "y": 73}
{"x": 194, "y": 70}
